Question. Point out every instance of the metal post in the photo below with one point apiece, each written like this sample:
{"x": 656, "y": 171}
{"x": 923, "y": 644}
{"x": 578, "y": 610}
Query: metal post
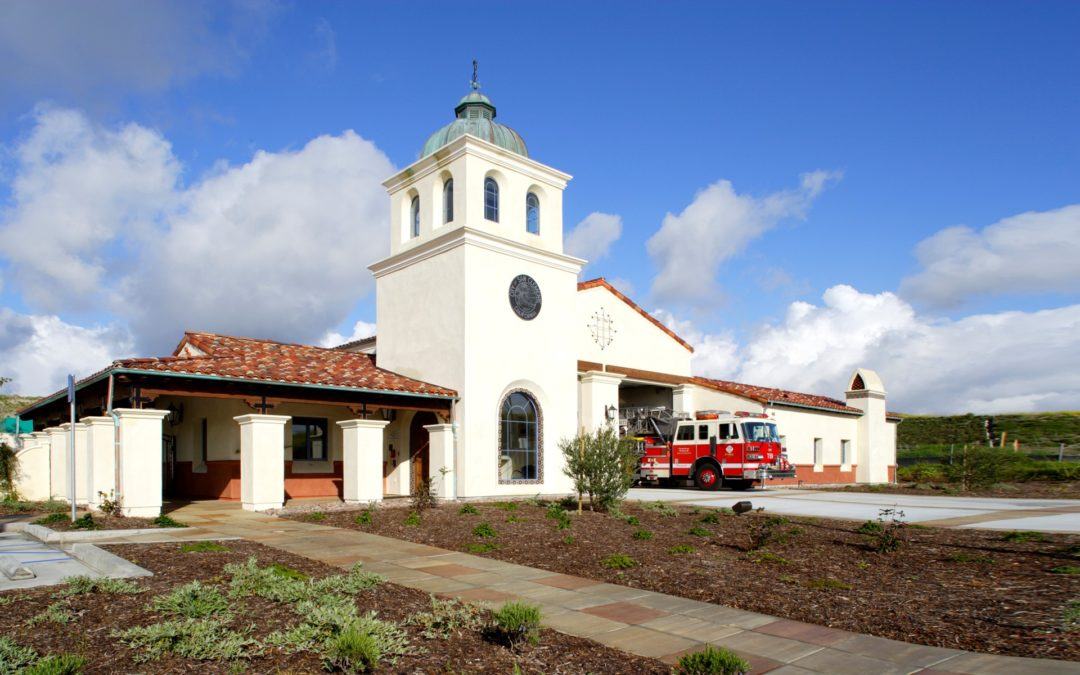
{"x": 71, "y": 445}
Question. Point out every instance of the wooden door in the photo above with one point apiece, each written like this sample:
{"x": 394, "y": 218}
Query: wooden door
{"x": 419, "y": 454}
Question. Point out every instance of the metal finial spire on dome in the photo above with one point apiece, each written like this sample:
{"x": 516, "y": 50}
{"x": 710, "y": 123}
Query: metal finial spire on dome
{"x": 475, "y": 116}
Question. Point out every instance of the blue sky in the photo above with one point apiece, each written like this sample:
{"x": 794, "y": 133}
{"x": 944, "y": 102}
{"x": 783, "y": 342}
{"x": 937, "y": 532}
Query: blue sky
{"x": 927, "y": 116}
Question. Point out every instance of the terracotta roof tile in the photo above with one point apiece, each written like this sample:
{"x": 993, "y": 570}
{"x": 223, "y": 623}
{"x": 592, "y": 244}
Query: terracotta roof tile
{"x": 602, "y": 282}
{"x": 777, "y": 396}
{"x": 269, "y": 361}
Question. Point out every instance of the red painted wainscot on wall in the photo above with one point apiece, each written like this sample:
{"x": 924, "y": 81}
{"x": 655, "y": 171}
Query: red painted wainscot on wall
{"x": 222, "y": 481}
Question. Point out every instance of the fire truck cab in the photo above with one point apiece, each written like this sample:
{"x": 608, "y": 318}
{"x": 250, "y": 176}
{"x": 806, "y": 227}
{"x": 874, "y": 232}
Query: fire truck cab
{"x": 713, "y": 448}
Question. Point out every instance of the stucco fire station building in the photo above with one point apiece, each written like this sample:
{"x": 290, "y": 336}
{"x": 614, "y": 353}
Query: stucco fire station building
{"x": 489, "y": 351}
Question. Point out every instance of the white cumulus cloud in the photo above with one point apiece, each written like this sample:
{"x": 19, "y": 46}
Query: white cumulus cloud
{"x": 1006, "y": 361}
{"x": 1031, "y": 252}
{"x": 277, "y": 247}
{"x": 689, "y": 247}
{"x": 592, "y": 238}
{"x": 39, "y": 351}
{"x": 360, "y": 330}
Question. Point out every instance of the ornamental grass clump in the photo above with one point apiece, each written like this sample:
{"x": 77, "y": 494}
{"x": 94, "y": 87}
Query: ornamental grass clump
{"x": 642, "y": 535}
{"x": 166, "y": 521}
{"x": 516, "y": 623}
{"x": 57, "y": 664}
{"x": 192, "y": 600}
{"x": 619, "y": 561}
{"x": 712, "y": 661}
{"x": 485, "y": 531}
{"x": 468, "y": 510}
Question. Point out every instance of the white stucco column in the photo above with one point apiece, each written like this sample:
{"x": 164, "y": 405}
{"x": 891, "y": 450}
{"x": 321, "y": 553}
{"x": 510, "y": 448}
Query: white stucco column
{"x": 599, "y": 394}
{"x": 874, "y": 448}
{"x": 362, "y": 457}
{"x": 79, "y": 432}
{"x": 101, "y": 456}
{"x": 682, "y": 399}
{"x": 140, "y": 457}
{"x": 32, "y": 482}
{"x": 441, "y": 454}
{"x": 262, "y": 461}
{"x": 57, "y": 462}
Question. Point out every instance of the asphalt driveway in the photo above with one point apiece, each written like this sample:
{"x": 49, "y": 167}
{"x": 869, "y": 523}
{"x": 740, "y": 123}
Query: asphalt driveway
{"x": 1046, "y": 515}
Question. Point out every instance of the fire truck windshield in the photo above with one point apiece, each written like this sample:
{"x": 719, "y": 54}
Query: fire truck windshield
{"x": 760, "y": 431}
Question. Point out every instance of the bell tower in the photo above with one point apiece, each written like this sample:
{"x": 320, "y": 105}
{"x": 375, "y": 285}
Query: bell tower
{"x": 477, "y": 295}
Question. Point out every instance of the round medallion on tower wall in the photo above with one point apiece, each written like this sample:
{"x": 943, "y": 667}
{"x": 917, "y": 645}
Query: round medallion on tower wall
{"x": 525, "y": 297}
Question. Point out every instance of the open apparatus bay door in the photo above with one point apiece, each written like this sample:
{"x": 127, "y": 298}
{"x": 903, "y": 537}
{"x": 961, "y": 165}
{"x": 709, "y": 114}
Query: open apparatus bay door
{"x": 712, "y": 448}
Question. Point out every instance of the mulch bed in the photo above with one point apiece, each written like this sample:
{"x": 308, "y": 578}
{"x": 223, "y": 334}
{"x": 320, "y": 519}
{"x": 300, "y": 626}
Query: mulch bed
{"x": 102, "y": 522}
{"x": 1026, "y": 490}
{"x": 964, "y": 589}
{"x": 99, "y": 614}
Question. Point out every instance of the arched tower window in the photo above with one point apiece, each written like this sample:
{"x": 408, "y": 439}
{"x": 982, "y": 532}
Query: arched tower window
{"x": 491, "y": 199}
{"x": 414, "y": 216}
{"x": 520, "y": 438}
{"x": 448, "y": 200}
{"x": 532, "y": 213}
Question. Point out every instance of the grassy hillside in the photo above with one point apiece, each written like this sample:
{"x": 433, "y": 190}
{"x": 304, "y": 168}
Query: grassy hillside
{"x": 9, "y": 403}
{"x": 1034, "y": 430}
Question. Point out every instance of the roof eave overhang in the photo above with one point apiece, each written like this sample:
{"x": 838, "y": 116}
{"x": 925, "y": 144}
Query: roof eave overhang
{"x": 242, "y": 380}
{"x": 819, "y": 408}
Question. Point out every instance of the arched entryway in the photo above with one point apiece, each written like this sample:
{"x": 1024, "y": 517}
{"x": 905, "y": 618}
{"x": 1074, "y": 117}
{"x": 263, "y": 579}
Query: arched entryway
{"x": 419, "y": 450}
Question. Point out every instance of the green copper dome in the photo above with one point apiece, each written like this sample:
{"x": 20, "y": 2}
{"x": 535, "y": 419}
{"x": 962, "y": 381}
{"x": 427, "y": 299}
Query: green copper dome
{"x": 476, "y": 116}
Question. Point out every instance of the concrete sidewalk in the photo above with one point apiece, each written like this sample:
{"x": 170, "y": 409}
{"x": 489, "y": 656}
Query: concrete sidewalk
{"x": 994, "y": 513}
{"x": 638, "y": 621}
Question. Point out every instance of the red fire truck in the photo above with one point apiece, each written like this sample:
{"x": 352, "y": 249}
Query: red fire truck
{"x": 712, "y": 448}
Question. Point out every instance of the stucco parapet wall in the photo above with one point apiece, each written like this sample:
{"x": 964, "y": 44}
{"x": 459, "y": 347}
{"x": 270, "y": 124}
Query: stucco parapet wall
{"x": 362, "y": 424}
{"x": 601, "y": 377}
{"x": 469, "y": 144}
{"x": 467, "y": 235}
{"x": 98, "y": 420}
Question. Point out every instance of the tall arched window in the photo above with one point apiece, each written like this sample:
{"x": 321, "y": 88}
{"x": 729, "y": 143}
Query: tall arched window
{"x": 448, "y": 200}
{"x": 414, "y": 216}
{"x": 520, "y": 435}
{"x": 532, "y": 213}
{"x": 491, "y": 199}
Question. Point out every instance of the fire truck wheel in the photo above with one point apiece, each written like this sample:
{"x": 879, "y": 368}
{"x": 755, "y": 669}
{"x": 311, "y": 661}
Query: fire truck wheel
{"x": 739, "y": 484}
{"x": 707, "y": 477}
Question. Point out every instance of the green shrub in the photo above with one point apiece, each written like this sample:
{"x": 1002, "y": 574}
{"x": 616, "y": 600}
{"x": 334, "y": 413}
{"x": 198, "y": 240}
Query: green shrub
{"x": 710, "y": 518}
{"x": 51, "y": 519}
{"x": 485, "y": 531}
{"x": 1066, "y": 569}
{"x": 413, "y": 519}
{"x": 828, "y": 584}
{"x": 352, "y": 651}
{"x": 200, "y": 639}
{"x": 601, "y": 465}
{"x": 506, "y": 506}
{"x": 642, "y": 535}
{"x": 57, "y": 612}
{"x": 477, "y": 548}
{"x": 619, "y": 561}
{"x": 884, "y": 536}
{"x": 314, "y": 516}
{"x": 712, "y": 661}
{"x": 699, "y": 532}
{"x": 921, "y": 473}
{"x": 286, "y": 572}
{"x": 559, "y": 514}
{"x": 192, "y": 600}
{"x": 979, "y": 467}
{"x": 14, "y": 657}
{"x": 662, "y": 508}
{"x": 85, "y": 522}
{"x": 680, "y": 549}
{"x": 57, "y": 664}
{"x": 446, "y": 618}
{"x": 568, "y": 539}
{"x": 203, "y": 547}
{"x": 765, "y": 531}
{"x": 766, "y": 557}
{"x": 355, "y": 581}
{"x": 272, "y": 583}
{"x": 468, "y": 510}
{"x": 166, "y": 521}
{"x": 870, "y": 527}
{"x": 513, "y": 519}
{"x": 81, "y": 585}
{"x": 616, "y": 513}
{"x": 366, "y": 517}
{"x": 1019, "y": 536}
{"x": 1070, "y": 617}
{"x": 517, "y": 623}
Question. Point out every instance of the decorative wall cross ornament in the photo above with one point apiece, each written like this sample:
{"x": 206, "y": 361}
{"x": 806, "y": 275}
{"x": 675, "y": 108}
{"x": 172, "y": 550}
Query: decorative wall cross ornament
{"x": 602, "y": 328}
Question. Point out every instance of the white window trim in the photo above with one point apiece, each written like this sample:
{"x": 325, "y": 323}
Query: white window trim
{"x": 845, "y": 457}
{"x": 818, "y": 457}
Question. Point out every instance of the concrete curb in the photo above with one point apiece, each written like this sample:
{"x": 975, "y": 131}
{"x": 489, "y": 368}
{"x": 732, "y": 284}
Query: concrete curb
{"x": 108, "y": 564}
{"x": 14, "y": 571}
{"x": 50, "y": 536}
